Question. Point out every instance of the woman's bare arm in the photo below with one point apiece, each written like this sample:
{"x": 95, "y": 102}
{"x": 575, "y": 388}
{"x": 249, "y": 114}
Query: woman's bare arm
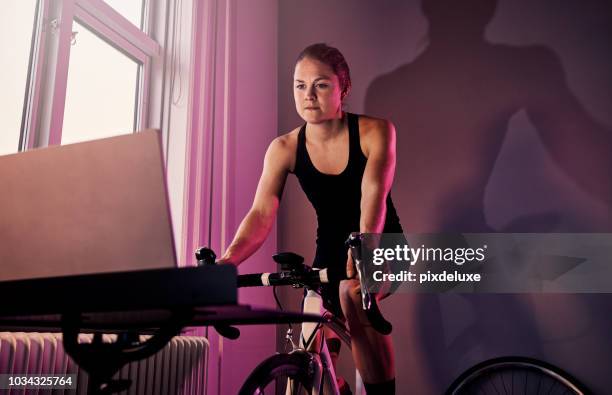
{"x": 256, "y": 225}
{"x": 378, "y": 176}
{"x": 379, "y": 147}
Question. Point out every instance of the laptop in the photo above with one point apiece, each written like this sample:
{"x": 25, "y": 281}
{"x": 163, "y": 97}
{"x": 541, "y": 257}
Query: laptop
{"x": 93, "y": 207}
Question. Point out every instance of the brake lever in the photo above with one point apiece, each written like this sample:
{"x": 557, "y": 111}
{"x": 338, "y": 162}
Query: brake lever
{"x": 366, "y": 298}
{"x": 379, "y": 323}
{"x": 354, "y": 243}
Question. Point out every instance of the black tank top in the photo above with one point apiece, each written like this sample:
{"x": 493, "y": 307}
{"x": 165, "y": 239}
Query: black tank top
{"x": 337, "y": 199}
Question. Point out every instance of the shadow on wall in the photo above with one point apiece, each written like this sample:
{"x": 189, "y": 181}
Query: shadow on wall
{"x": 453, "y": 106}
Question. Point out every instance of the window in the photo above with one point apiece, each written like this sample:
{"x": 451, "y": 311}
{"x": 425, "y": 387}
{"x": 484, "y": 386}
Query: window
{"x": 89, "y": 71}
{"x": 16, "y": 23}
{"x": 132, "y": 10}
{"x": 102, "y": 86}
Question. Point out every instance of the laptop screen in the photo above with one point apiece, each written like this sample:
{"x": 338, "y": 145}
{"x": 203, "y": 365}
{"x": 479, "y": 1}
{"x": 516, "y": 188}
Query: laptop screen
{"x": 97, "y": 206}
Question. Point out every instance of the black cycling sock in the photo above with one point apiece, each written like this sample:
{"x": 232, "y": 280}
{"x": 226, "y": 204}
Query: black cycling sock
{"x": 384, "y": 388}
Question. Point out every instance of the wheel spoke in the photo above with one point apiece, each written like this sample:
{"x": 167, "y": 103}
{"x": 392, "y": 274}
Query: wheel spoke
{"x": 512, "y": 376}
{"x": 492, "y": 384}
{"x": 504, "y": 384}
{"x": 539, "y": 384}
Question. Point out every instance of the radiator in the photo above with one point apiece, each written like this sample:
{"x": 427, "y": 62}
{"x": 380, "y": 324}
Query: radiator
{"x": 179, "y": 368}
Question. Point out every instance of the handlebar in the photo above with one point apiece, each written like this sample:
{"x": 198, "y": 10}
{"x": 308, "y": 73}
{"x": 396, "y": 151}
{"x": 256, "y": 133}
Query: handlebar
{"x": 296, "y": 274}
{"x": 309, "y": 279}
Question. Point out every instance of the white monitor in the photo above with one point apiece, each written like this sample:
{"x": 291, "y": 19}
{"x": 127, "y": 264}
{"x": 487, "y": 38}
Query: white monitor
{"x": 92, "y": 207}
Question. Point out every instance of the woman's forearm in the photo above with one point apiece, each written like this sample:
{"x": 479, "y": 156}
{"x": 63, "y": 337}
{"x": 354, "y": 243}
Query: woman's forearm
{"x": 373, "y": 210}
{"x": 251, "y": 234}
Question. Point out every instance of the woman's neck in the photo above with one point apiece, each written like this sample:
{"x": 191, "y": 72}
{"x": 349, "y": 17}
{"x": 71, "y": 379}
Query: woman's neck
{"x": 327, "y": 130}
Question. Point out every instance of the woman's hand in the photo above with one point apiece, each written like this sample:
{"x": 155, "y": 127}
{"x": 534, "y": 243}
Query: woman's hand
{"x": 351, "y": 271}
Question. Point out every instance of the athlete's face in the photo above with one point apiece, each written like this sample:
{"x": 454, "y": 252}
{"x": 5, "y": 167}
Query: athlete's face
{"x": 317, "y": 92}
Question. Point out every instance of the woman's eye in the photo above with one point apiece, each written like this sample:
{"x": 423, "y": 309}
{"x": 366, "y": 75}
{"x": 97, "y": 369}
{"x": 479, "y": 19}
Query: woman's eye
{"x": 300, "y": 86}
{"x": 322, "y": 86}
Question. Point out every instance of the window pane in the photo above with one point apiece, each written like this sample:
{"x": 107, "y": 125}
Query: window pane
{"x": 101, "y": 90}
{"x": 16, "y": 22}
{"x": 130, "y": 9}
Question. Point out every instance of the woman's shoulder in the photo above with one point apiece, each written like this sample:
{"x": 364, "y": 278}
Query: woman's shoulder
{"x": 287, "y": 141}
{"x": 375, "y": 131}
{"x": 369, "y": 124}
{"x": 283, "y": 148}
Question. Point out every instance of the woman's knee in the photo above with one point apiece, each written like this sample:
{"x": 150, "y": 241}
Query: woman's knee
{"x": 350, "y": 294}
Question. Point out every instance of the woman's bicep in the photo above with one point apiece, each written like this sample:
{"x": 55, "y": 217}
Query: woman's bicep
{"x": 272, "y": 180}
{"x": 380, "y": 166}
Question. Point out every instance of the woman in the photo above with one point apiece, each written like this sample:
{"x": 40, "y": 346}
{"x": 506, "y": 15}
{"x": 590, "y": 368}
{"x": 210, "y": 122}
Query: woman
{"x": 345, "y": 164}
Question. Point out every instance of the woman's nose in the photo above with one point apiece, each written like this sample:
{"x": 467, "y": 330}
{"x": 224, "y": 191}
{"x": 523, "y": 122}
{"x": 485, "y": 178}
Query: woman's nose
{"x": 310, "y": 92}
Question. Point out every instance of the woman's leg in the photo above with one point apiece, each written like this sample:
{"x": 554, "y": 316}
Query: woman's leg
{"x": 334, "y": 345}
{"x": 372, "y": 352}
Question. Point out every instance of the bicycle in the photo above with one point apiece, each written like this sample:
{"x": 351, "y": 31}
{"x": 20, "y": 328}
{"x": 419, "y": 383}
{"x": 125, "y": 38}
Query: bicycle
{"x": 305, "y": 369}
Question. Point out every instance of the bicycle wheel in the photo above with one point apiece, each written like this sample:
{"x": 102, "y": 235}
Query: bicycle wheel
{"x": 514, "y": 376}
{"x": 272, "y": 375}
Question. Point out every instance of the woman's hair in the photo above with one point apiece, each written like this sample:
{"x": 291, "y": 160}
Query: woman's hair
{"x": 331, "y": 57}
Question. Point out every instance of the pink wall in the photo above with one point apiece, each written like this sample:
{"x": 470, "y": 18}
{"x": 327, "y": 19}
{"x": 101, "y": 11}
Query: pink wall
{"x": 233, "y": 119}
{"x": 483, "y": 145}
{"x": 252, "y": 126}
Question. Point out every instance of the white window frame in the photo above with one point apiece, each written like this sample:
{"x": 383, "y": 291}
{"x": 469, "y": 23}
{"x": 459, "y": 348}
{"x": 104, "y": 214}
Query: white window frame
{"x": 51, "y": 57}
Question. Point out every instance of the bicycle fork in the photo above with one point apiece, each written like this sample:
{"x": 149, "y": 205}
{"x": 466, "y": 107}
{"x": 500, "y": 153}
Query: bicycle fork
{"x": 323, "y": 375}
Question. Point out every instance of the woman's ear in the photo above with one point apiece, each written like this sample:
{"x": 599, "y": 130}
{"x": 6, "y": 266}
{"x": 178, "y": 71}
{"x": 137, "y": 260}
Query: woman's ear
{"x": 344, "y": 93}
